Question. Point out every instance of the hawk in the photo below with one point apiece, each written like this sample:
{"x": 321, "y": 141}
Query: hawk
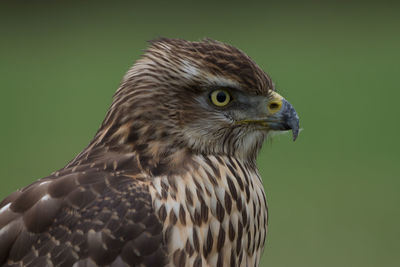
{"x": 170, "y": 178}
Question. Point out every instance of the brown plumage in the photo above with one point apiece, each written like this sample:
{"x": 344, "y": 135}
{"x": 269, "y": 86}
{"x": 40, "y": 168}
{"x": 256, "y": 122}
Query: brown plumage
{"x": 170, "y": 177}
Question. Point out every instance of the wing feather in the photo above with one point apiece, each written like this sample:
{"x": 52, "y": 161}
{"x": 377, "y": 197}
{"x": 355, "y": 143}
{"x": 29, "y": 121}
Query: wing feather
{"x": 82, "y": 218}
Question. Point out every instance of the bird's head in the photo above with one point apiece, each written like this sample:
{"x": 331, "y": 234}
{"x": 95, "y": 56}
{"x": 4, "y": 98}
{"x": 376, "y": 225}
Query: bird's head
{"x": 207, "y": 97}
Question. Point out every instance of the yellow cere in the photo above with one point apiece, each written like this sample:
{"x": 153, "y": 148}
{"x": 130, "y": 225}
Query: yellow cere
{"x": 275, "y": 103}
{"x": 220, "y": 98}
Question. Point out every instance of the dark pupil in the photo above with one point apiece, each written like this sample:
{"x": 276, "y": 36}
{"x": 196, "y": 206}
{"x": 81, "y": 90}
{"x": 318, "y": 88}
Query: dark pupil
{"x": 221, "y": 97}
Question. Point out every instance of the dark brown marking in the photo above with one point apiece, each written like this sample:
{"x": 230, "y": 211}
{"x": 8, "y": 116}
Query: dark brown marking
{"x": 249, "y": 241}
{"x": 239, "y": 239}
{"x": 197, "y": 262}
{"x": 196, "y": 240}
{"x": 189, "y": 196}
{"x": 164, "y": 194}
{"x": 240, "y": 258}
{"x": 259, "y": 239}
{"x": 239, "y": 204}
{"x": 208, "y": 244}
{"x": 232, "y": 188}
{"x": 171, "y": 181}
{"x": 188, "y": 248}
{"x": 220, "y": 160}
{"x": 179, "y": 258}
{"x": 132, "y": 136}
{"x": 220, "y": 211}
{"x": 211, "y": 178}
{"x": 200, "y": 195}
{"x": 220, "y": 261}
{"x": 221, "y": 238}
{"x": 233, "y": 259}
{"x": 172, "y": 217}
{"x": 162, "y": 213}
{"x": 246, "y": 177}
{"x": 228, "y": 203}
{"x": 247, "y": 193}
{"x": 197, "y": 217}
{"x": 198, "y": 187}
{"x": 167, "y": 233}
{"x": 164, "y": 186}
{"x": 204, "y": 211}
{"x": 244, "y": 216}
{"x": 141, "y": 147}
{"x": 214, "y": 168}
{"x": 238, "y": 179}
{"x": 264, "y": 238}
{"x": 231, "y": 232}
{"x": 182, "y": 215}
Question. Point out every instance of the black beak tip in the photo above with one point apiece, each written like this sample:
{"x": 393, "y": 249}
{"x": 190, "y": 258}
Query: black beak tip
{"x": 295, "y": 134}
{"x": 294, "y": 125}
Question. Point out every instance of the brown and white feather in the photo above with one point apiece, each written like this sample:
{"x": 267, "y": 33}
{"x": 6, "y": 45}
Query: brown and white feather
{"x": 166, "y": 181}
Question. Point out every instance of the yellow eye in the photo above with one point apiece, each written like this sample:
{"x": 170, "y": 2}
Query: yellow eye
{"x": 220, "y": 97}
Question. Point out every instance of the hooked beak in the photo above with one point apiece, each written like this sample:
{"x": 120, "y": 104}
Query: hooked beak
{"x": 281, "y": 115}
{"x": 278, "y": 115}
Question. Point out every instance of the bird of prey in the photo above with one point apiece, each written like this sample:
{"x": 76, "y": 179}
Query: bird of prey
{"x": 170, "y": 178}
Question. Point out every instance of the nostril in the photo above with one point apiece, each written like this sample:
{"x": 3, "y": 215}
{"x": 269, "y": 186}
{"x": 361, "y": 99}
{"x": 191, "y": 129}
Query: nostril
{"x": 274, "y": 106}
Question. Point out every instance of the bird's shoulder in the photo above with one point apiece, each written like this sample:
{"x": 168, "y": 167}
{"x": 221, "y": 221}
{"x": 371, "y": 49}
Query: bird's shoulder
{"x": 99, "y": 213}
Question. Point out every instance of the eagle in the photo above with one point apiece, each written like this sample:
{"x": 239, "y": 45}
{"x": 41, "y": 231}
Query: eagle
{"x": 170, "y": 178}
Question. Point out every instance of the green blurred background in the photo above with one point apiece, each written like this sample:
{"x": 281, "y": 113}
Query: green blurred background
{"x": 333, "y": 194}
